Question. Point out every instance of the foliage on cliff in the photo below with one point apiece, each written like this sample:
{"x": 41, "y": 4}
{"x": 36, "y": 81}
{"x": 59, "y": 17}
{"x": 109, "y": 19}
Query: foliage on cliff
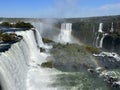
{"x": 8, "y": 37}
{"x": 86, "y": 28}
{"x": 71, "y": 57}
{"x": 91, "y": 49}
{"x": 48, "y": 64}
{"x": 17, "y": 25}
{"x": 46, "y": 40}
{"x": 23, "y": 25}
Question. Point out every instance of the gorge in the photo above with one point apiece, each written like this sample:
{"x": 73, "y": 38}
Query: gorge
{"x": 82, "y": 53}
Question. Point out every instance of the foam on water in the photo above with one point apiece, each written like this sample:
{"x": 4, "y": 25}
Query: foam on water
{"x": 13, "y": 67}
{"x": 37, "y": 77}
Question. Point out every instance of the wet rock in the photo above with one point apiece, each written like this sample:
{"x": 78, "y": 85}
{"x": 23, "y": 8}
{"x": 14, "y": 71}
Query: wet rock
{"x": 48, "y": 64}
{"x": 42, "y": 50}
{"x": 116, "y": 84}
{"x": 99, "y": 69}
{"x": 91, "y": 70}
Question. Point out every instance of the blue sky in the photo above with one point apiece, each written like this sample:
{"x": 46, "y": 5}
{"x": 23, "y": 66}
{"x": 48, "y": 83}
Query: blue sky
{"x": 58, "y": 8}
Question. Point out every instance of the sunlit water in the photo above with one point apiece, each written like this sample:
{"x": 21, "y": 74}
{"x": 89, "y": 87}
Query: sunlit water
{"x": 20, "y": 69}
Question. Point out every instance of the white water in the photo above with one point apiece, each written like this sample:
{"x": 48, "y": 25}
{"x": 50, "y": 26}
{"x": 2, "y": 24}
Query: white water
{"x": 97, "y": 40}
{"x": 1, "y": 22}
{"x": 39, "y": 39}
{"x": 65, "y": 34}
{"x": 101, "y": 41}
{"x": 109, "y": 54}
{"x": 14, "y": 66}
{"x": 38, "y": 26}
{"x": 38, "y": 30}
{"x": 111, "y": 30}
{"x": 18, "y": 65}
{"x": 99, "y": 45}
{"x": 20, "y": 69}
{"x": 100, "y": 27}
{"x": 37, "y": 78}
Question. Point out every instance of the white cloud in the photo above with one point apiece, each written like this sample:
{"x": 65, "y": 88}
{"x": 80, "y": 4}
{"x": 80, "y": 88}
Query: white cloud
{"x": 107, "y": 9}
{"x": 70, "y": 8}
{"x": 115, "y": 6}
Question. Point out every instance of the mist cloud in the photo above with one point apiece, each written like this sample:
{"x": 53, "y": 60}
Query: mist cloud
{"x": 72, "y": 8}
{"x": 61, "y": 9}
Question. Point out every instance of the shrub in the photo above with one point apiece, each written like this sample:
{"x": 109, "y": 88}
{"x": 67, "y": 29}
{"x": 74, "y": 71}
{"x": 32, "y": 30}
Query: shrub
{"x": 48, "y": 64}
{"x": 6, "y": 24}
{"x": 45, "y": 40}
{"x": 23, "y": 25}
{"x": 91, "y": 49}
{"x": 17, "y": 25}
{"x": 8, "y": 37}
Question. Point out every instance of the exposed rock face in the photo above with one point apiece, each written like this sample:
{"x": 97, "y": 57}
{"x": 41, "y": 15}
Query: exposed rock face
{"x": 48, "y": 64}
{"x": 112, "y": 42}
{"x": 109, "y": 62}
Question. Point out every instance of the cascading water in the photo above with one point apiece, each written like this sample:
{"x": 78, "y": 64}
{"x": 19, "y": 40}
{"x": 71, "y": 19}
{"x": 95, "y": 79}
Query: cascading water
{"x": 39, "y": 39}
{"x": 35, "y": 72}
{"x": 14, "y": 71}
{"x": 101, "y": 41}
{"x": 38, "y": 30}
{"x": 100, "y": 27}
{"x": 111, "y": 30}
{"x": 14, "y": 66}
{"x": 104, "y": 34}
{"x": 20, "y": 66}
{"x": 99, "y": 32}
{"x": 65, "y": 34}
{"x": 97, "y": 39}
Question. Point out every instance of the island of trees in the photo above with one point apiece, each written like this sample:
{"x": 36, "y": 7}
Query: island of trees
{"x": 16, "y": 25}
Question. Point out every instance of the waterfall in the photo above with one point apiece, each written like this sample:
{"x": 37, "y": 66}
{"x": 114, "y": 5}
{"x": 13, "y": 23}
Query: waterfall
{"x": 111, "y": 30}
{"x": 97, "y": 39}
{"x": 1, "y": 22}
{"x": 39, "y": 39}
{"x": 14, "y": 66}
{"x": 38, "y": 27}
{"x": 29, "y": 38}
{"x": 101, "y": 41}
{"x": 100, "y": 27}
{"x": 65, "y": 34}
{"x": 36, "y": 77}
{"x": 38, "y": 30}
{"x": 14, "y": 63}
{"x": 99, "y": 32}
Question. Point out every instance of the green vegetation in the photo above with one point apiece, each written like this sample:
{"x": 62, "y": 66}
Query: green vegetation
{"x": 45, "y": 40}
{"x": 71, "y": 57}
{"x": 7, "y": 37}
{"x": 85, "y": 29}
{"x": 17, "y": 25}
{"x": 6, "y": 24}
{"x": 112, "y": 40}
{"x": 23, "y": 25}
{"x": 91, "y": 49}
{"x": 48, "y": 64}
{"x": 115, "y": 35}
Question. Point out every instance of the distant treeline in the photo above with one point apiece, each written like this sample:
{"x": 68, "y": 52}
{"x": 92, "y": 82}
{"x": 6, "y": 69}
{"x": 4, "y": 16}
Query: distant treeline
{"x": 85, "y": 29}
